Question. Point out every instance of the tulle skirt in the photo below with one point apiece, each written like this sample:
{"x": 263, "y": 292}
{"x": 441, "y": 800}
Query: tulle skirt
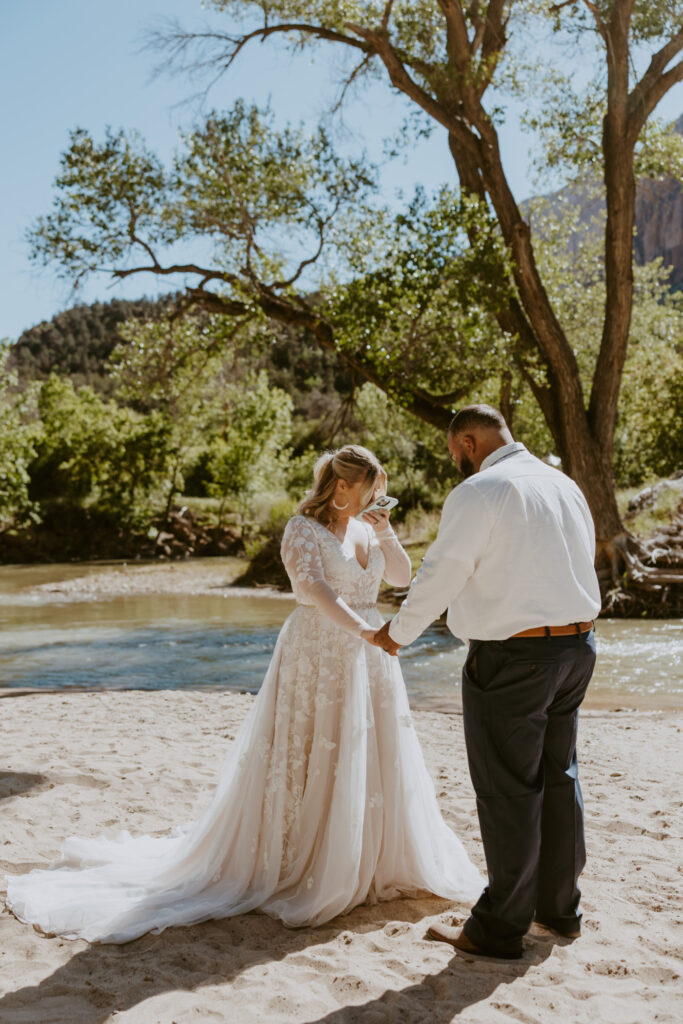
{"x": 323, "y": 802}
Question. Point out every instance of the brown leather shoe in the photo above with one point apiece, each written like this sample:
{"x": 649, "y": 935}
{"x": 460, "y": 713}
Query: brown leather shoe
{"x": 567, "y": 931}
{"x": 456, "y": 937}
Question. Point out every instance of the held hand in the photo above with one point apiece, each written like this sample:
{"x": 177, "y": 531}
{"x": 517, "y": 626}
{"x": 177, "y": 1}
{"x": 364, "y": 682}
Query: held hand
{"x": 370, "y": 636}
{"x": 383, "y": 640}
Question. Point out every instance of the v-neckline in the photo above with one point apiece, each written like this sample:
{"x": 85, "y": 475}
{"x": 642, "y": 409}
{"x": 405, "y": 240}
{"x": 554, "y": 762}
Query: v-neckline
{"x": 363, "y": 568}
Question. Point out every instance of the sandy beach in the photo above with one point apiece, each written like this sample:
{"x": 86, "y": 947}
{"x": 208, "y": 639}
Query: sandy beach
{"x": 87, "y": 763}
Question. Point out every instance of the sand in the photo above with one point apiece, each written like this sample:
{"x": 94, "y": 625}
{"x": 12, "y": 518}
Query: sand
{"x": 91, "y": 762}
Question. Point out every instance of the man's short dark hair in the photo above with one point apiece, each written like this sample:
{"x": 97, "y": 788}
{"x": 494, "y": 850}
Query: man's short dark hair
{"x": 472, "y": 416}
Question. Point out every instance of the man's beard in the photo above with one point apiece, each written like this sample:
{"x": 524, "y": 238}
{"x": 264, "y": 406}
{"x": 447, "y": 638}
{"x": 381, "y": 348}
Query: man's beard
{"x": 465, "y": 466}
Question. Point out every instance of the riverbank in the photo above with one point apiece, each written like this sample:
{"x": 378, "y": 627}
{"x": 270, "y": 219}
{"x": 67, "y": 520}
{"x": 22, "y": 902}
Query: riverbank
{"x": 98, "y": 582}
{"x": 192, "y": 534}
{"x": 186, "y": 625}
{"x": 90, "y": 763}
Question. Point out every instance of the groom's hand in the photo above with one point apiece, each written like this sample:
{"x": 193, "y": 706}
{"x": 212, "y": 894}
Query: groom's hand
{"x": 383, "y": 640}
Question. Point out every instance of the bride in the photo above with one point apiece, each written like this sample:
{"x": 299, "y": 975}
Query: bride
{"x": 323, "y": 801}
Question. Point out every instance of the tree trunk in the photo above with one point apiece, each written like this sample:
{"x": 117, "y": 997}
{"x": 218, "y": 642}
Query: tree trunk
{"x": 590, "y": 466}
{"x": 506, "y": 403}
{"x": 173, "y": 490}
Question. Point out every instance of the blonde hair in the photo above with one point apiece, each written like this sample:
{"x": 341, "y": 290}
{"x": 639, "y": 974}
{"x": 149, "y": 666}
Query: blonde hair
{"x": 350, "y": 463}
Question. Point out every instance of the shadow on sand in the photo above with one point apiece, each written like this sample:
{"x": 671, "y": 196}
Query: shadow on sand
{"x": 16, "y": 783}
{"x": 100, "y": 980}
{"x": 440, "y": 998}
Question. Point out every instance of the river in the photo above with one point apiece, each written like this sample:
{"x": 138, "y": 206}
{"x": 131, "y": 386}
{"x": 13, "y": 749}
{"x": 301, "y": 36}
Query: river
{"x": 70, "y": 627}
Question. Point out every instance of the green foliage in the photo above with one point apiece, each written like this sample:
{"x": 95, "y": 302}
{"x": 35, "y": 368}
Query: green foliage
{"x": 172, "y": 367}
{"x": 651, "y": 21}
{"x": 320, "y": 387}
{"x": 266, "y": 198}
{"x": 96, "y": 453}
{"x": 649, "y": 435}
{"x": 648, "y": 438}
{"x": 569, "y": 123}
{"x": 419, "y": 27}
{"x": 18, "y": 437}
{"x": 421, "y": 301}
{"x": 222, "y": 418}
{"x": 81, "y": 343}
{"x": 300, "y": 237}
{"x": 246, "y": 456}
{"x": 413, "y": 454}
{"x": 109, "y": 220}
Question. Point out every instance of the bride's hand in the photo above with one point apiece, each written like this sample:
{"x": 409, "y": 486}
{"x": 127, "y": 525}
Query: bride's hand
{"x": 369, "y": 635}
{"x": 378, "y": 520}
{"x": 380, "y": 638}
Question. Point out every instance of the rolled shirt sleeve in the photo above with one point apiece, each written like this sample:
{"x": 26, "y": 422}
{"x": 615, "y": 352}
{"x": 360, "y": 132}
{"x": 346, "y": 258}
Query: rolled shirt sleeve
{"x": 449, "y": 562}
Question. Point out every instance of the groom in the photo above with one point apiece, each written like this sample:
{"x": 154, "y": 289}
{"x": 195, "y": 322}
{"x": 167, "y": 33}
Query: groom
{"x": 513, "y": 563}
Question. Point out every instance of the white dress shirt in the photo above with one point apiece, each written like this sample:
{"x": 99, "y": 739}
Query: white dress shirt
{"x": 515, "y": 550}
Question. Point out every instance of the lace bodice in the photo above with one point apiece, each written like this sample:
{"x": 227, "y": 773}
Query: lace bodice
{"x": 326, "y": 574}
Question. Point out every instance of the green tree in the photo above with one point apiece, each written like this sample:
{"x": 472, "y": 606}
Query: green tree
{"x": 175, "y": 368}
{"x": 274, "y": 204}
{"x": 569, "y": 252}
{"x": 247, "y": 455}
{"x": 217, "y": 410}
{"x": 273, "y": 201}
{"x": 418, "y": 468}
{"x": 18, "y": 436}
{"x": 95, "y": 453}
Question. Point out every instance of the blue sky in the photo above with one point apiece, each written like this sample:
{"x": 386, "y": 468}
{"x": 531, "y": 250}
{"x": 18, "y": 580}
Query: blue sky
{"x": 77, "y": 63}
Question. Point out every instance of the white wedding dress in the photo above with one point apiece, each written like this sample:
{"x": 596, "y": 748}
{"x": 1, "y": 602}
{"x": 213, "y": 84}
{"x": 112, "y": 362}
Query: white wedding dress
{"x": 323, "y": 801}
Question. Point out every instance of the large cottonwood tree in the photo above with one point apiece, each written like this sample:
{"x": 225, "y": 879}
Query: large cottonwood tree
{"x": 448, "y": 58}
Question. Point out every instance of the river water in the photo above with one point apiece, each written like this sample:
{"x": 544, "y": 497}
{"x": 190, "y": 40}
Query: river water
{"x": 52, "y": 639}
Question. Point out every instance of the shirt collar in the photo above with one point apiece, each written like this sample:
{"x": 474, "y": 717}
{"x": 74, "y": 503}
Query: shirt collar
{"x": 502, "y": 453}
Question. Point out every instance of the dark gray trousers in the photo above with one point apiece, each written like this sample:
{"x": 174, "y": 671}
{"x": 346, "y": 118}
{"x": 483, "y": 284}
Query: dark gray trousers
{"x": 520, "y": 712}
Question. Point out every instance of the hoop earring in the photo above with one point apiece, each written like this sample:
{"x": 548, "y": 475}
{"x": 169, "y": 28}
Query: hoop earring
{"x": 340, "y": 508}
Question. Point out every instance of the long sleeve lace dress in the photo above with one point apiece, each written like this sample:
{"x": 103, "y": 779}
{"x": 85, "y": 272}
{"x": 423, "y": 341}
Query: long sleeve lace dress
{"x": 323, "y": 801}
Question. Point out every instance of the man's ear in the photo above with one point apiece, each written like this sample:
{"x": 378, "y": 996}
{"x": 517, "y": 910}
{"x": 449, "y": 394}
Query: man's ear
{"x": 470, "y": 443}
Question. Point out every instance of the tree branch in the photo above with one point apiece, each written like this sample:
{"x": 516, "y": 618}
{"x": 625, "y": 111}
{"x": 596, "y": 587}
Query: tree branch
{"x": 476, "y": 23}
{"x": 358, "y": 70}
{"x": 655, "y": 83}
{"x": 214, "y": 303}
{"x": 401, "y": 80}
{"x": 387, "y": 14}
{"x": 493, "y": 42}
{"x": 278, "y": 308}
{"x": 135, "y": 239}
{"x": 182, "y": 40}
{"x": 600, "y": 25}
{"x": 178, "y": 268}
{"x": 322, "y": 224}
{"x": 457, "y": 40}
{"x": 494, "y": 30}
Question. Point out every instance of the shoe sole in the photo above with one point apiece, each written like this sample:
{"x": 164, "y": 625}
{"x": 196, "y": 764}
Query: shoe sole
{"x": 556, "y": 931}
{"x": 473, "y": 952}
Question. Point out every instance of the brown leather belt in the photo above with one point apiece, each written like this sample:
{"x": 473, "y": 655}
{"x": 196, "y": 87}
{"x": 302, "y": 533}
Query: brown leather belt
{"x": 571, "y": 630}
